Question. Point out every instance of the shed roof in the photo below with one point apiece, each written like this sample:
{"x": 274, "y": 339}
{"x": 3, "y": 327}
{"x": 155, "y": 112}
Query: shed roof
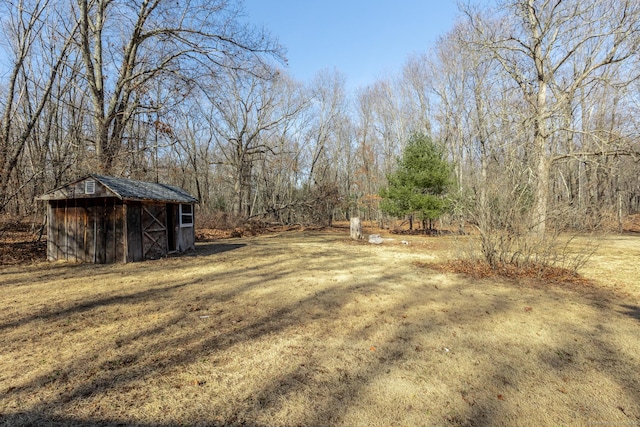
{"x": 129, "y": 189}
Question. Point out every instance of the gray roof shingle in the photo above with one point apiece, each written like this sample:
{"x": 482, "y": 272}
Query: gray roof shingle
{"x": 129, "y": 189}
{"x": 122, "y": 188}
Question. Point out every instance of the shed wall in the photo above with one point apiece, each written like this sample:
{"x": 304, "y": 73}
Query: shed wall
{"x": 186, "y": 238}
{"x": 181, "y": 239}
{"x": 77, "y": 191}
{"x": 108, "y": 230}
{"x": 87, "y": 230}
{"x": 134, "y": 231}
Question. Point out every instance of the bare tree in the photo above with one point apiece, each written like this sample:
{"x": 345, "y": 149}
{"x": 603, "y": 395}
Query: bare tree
{"x": 550, "y": 50}
{"x": 125, "y": 45}
{"x": 38, "y": 44}
{"x": 249, "y": 110}
{"x": 368, "y": 171}
{"x": 328, "y": 144}
{"x": 415, "y": 92}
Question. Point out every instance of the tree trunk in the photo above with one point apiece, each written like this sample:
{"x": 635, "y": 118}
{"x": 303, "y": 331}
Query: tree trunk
{"x": 356, "y": 228}
{"x": 542, "y": 196}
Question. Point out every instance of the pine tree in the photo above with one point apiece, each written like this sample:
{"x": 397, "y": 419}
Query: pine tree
{"x": 420, "y": 182}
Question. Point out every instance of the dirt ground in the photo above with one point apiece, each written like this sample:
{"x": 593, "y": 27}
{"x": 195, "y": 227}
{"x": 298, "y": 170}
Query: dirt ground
{"x": 309, "y": 328}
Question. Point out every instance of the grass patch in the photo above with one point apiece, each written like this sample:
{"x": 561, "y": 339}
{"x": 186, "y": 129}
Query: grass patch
{"x": 304, "y": 328}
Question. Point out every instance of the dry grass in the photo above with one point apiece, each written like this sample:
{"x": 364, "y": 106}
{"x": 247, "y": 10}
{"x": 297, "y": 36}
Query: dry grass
{"x": 308, "y": 328}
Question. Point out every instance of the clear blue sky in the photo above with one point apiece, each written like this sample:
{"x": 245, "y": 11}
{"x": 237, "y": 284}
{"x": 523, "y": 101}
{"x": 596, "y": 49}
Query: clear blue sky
{"x": 364, "y": 39}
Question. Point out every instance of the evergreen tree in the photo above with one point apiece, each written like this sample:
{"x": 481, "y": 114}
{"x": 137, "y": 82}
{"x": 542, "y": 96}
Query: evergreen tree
{"x": 419, "y": 184}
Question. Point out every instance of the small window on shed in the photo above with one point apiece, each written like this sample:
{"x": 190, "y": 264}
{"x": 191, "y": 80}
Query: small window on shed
{"x": 186, "y": 215}
{"x": 89, "y": 186}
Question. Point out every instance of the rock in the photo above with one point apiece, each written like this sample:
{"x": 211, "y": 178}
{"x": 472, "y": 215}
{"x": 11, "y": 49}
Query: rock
{"x": 375, "y": 239}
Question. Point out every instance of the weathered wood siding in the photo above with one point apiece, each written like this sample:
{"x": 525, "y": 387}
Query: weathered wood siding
{"x": 134, "y": 231}
{"x": 180, "y": 238}
{"x": 90, "y": 222}
{"x": 154, "y": 230}
{"x": 186, "y": 237}
{"x": 86, "y": 230}
{"x": 77, "y": 191}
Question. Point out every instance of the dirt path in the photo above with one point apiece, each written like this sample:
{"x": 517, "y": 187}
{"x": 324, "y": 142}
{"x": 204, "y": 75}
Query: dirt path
{"x": 312, "y": 329}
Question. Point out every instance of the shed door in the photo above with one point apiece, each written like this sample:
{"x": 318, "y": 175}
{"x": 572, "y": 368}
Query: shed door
{"x": 154, "y": 231}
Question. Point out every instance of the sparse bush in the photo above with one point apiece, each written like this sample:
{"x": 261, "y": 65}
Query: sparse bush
{"x": 507, "y": 236}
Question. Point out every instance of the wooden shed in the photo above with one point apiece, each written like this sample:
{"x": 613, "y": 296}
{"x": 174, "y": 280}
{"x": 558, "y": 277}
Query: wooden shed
{"x": 102, "y": 219}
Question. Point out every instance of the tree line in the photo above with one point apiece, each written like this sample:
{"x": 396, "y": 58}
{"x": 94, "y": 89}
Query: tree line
{"x": 535, "y": 104}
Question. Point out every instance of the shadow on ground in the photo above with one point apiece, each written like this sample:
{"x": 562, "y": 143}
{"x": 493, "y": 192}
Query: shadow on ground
{"x": 233, "y": 340}
{"x": 632, "y": 311}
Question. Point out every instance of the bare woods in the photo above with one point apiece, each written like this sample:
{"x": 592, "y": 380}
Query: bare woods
{"x": 536, "y": 102}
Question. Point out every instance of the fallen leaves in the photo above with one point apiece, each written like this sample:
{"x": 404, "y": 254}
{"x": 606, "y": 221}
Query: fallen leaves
{"x": 21, "y": 248}
{"x": 479, "y": 269}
